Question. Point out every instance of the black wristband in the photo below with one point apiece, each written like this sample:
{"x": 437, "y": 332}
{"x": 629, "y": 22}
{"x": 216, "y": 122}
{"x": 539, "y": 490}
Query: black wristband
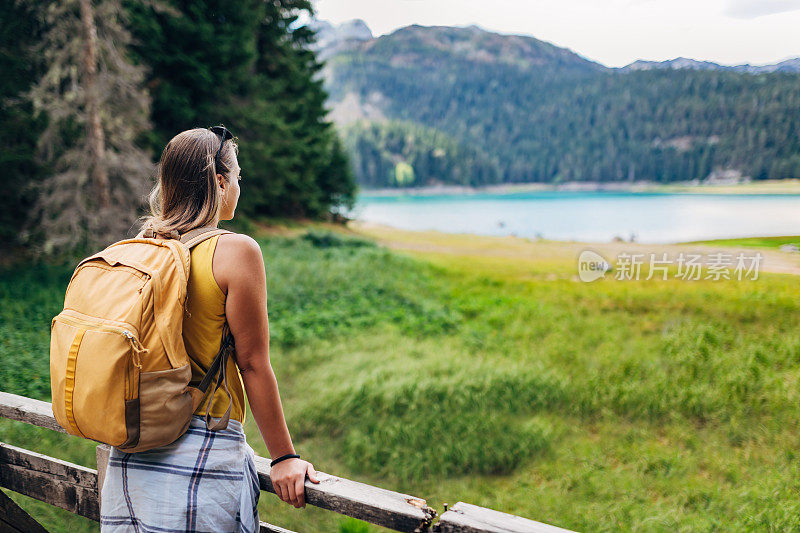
{"x": 282, "y": 457}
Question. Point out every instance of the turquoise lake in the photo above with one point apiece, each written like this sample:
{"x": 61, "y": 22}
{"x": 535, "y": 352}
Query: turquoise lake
{"x": 590, "y": 216}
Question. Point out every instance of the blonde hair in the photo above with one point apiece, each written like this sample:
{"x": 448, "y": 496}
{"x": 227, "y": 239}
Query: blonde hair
{"x": 186, "y": 195}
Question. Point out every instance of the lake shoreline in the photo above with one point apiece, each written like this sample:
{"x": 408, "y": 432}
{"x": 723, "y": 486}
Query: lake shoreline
{"x": 592, "y": 216}
{"x": 788, "y": 186}
{"x": 523, "y": 255}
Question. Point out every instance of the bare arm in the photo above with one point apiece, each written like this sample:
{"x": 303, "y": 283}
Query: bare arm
{"x": 239, "y": 269}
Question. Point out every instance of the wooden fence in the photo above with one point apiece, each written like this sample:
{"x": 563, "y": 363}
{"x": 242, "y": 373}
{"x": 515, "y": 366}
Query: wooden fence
{"x": 76, "y": 489}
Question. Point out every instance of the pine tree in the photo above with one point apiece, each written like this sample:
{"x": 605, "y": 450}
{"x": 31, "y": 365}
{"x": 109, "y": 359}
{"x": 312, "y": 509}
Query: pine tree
{"x": 21, "y": 68}
{"x": 96, "y": 107}
{"x": 243, "y": 64}
{"x": 317, "y": 178}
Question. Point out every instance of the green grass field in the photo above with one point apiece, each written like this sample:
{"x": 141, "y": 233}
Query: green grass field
{"x": 637, "y": 406}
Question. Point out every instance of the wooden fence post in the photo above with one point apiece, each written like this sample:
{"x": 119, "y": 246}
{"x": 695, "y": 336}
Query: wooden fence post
{"x": 102, "y": 453}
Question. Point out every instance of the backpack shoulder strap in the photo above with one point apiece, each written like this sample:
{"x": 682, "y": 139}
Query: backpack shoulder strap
{"x": 194, "y": 237}
{"x": 218, "y": 372}
{"x": 191, "y": 238}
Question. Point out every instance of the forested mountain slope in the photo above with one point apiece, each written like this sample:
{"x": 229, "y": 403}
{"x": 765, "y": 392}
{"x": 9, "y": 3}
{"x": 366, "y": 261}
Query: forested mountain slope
{"x": 527, "y": 111}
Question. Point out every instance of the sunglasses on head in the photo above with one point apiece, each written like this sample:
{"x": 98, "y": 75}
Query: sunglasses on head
{"x": 223, "y": 132}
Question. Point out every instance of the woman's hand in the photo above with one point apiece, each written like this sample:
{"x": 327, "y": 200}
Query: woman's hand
{"x": 289, "y": 477}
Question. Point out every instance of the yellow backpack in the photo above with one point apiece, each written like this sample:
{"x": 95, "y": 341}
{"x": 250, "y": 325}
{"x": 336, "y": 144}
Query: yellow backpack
{"x": 119, "y": 371}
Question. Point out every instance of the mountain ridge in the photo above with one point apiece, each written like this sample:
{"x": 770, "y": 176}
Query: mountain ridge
{"x": 787, "y": 65}
{"x": 357, "y": 31}
{"x": 517, "y": 109}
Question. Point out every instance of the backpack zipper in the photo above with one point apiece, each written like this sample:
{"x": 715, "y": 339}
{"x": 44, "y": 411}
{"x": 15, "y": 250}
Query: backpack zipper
{"x": 137, "y": 347}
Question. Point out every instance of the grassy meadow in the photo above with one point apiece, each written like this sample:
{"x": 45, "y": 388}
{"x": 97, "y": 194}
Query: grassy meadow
{"x": 500, "y": 381}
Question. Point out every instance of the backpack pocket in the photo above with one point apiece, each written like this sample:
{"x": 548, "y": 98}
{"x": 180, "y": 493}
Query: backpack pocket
{"x": 94, "y": 370}
{"x": 166, "y": 406}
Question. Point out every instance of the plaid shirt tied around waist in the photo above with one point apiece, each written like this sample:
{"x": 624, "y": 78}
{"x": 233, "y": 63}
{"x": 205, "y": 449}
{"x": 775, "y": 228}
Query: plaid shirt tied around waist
{"x": 206, "y": 481}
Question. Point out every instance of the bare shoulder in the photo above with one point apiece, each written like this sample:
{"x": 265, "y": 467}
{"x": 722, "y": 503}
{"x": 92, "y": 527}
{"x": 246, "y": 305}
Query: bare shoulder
{"x": 238, "y": 243}
{"x": 236, "y": 255}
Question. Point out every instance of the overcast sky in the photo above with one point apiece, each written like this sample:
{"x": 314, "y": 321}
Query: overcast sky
{"x": 613, "y": 32}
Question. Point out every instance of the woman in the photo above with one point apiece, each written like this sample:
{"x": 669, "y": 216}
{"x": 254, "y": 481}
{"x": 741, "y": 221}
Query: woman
{"x": 206, "y": 480}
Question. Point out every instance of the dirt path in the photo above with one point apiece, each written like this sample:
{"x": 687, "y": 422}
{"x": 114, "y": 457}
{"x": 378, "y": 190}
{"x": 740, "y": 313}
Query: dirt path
{"x": 559, "y": 252}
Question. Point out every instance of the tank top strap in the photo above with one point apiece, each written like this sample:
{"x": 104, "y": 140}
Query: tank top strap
{"x": 202, "y": 256}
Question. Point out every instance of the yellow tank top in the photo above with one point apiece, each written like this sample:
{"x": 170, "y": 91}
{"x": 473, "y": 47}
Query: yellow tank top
{"x": 202, "y": 331}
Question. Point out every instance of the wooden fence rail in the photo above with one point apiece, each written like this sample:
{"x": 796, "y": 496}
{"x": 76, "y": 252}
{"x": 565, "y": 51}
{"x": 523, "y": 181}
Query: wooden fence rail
{"x": 76, "y": 489}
